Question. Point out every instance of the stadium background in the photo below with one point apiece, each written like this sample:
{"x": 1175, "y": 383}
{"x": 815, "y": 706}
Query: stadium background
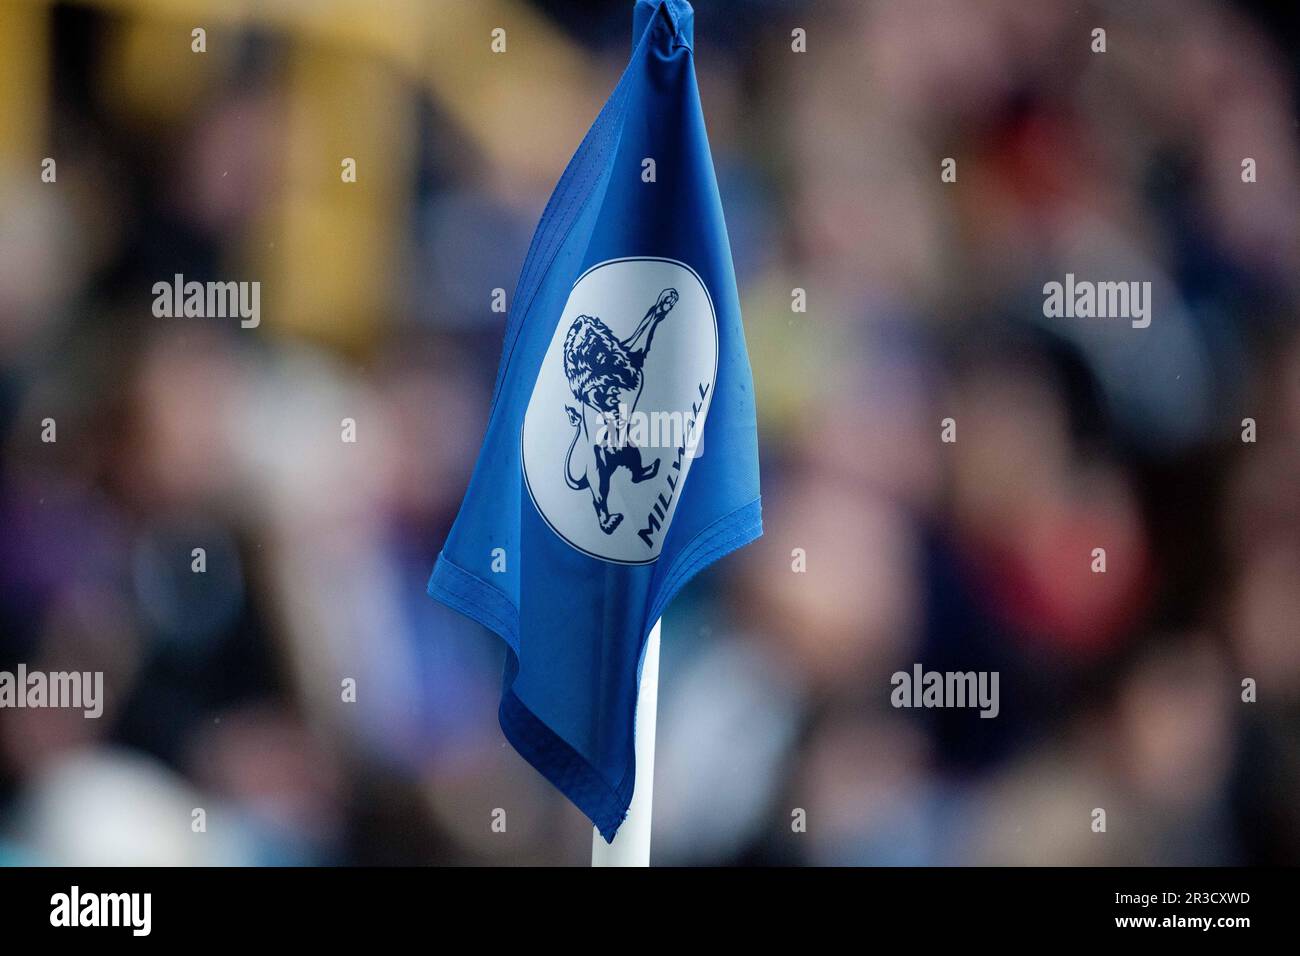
{"x": 1119, "y": 691}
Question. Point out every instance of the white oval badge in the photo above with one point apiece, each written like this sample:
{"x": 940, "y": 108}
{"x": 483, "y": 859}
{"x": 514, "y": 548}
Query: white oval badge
{"x": 618, "y": 409}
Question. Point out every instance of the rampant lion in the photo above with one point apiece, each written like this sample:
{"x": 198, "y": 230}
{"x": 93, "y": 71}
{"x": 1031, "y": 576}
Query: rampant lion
{"x": 605, "y": 376}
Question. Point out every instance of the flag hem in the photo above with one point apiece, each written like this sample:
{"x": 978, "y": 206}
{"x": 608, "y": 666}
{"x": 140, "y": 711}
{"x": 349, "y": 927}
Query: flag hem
{"x": 546, "y": 751}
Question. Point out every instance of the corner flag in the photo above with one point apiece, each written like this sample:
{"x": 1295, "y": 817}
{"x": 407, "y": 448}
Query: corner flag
{"x": 621, "y": 455}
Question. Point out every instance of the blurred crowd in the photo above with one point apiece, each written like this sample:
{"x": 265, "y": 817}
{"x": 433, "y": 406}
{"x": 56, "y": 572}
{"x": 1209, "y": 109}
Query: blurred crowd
{"x": 224, "y": 690}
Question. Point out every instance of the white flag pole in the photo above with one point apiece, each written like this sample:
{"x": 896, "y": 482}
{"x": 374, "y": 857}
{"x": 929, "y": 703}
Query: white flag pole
{"x": 631, "y": 846}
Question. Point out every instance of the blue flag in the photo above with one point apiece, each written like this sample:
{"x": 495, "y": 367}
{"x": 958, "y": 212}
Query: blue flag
{"x": 621, "y": 454}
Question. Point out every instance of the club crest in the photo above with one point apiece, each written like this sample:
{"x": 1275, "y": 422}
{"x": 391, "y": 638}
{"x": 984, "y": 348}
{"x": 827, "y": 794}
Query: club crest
{"x": 617, "y": 413}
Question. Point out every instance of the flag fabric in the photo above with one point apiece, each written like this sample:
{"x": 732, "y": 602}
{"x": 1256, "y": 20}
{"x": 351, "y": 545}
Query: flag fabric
{"x": 621, "y": 452}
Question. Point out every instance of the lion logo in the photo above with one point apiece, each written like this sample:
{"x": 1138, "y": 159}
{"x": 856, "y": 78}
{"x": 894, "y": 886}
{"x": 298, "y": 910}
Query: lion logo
{"x": 606, "y": 375}
{"x": 636, "y": 343}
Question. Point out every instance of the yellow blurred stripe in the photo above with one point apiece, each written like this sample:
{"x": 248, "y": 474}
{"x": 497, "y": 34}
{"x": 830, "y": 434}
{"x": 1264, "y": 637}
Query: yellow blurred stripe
{"x": 24, "y": 86}
{"x": 525, "y": 108}
{"x": 332, "y": 251}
